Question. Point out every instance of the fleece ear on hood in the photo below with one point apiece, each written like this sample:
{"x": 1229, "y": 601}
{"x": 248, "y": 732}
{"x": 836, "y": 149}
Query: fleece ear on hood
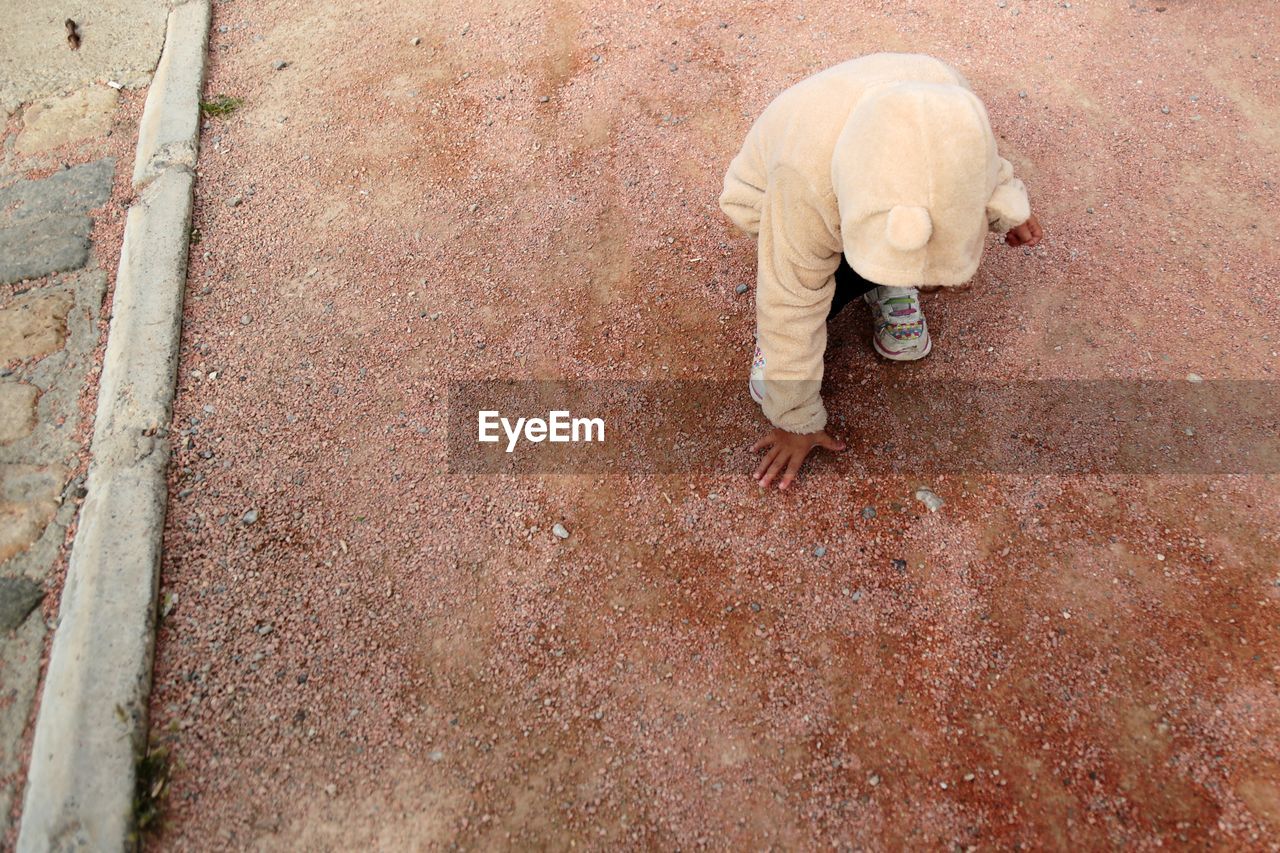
{"x": 918, "y": 183}
{"x": 908, "y": 228}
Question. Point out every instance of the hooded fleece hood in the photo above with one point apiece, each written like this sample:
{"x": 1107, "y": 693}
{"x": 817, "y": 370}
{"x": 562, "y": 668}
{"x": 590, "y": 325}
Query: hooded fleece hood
{"x": 919, "y": 183}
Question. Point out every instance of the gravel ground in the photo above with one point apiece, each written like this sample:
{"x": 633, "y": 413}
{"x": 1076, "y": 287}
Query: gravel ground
{"x": 363, "y": 649}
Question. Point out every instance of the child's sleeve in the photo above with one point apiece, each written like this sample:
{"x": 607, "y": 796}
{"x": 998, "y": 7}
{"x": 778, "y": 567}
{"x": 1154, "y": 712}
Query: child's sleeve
{"x": 744, "y": 184}
{"x": 1009, "y": 206}
{"x": 798, "y": 257}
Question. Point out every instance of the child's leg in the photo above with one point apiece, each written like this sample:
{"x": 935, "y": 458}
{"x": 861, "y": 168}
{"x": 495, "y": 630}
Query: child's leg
{"x": 849, "y": 286}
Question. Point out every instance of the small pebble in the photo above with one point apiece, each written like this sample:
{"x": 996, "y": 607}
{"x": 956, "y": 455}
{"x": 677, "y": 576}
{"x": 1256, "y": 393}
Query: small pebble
{"x": 279, "y": 65}
{"x": 900, "y": 565}
{"x": 857, "y": 595}
{"x": 1194, "y": 377}
{"x": 740, "y": 289}
{"x": 755, "y": 607}
{"x": 543, "y": 99}
{"x": 1164, "y": 110}
{"x": 927, "y": 497}
{"x": 249, "y": 517}
{"x": 559, "y": 531}
{"x": 246, "y": 320}
{"x": 1022, "y": 94}
{"x": 868, "y": 512}
{"x": 436, "y": 755}
{"x": 234, "y": 201}
{"x": 820, "y": 551}
{"x": 415, "y": 41}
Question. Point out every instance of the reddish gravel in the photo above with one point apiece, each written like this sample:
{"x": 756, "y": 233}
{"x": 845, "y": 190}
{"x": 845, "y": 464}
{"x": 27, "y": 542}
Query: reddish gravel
{"x": 394, "y": 657}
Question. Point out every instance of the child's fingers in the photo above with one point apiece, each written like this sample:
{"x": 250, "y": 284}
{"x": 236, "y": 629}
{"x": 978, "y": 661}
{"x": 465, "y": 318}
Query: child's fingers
{"x": 774, "y": 470}
{"x": 831, "y": 443}
{"x": 762, "y": 443}
{"x": 793, "y": 468}
{"x": 767, "y": 461}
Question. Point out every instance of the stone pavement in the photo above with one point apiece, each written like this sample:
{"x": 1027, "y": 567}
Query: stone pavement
{"x": 48, "y": 338}
{"x": 54, "y": 180}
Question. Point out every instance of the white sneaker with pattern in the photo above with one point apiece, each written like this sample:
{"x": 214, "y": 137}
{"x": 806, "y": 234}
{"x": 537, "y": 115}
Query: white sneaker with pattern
{"x": 900, "y": 330}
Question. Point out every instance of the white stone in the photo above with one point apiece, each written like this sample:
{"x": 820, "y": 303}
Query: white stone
{"x": 54, "y": 122}
{"x": 17, "y": 410}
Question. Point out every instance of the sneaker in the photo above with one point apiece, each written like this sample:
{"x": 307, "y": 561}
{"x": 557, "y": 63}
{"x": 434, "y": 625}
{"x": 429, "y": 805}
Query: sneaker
{"x": 756, "y": 383}
{"x": 901, "y": 333}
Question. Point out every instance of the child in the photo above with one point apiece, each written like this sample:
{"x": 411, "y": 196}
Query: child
{"x": 871, "y": 179}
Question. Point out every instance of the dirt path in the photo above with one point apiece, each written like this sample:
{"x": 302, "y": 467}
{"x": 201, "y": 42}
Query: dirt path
{"x": 362, "y": 650}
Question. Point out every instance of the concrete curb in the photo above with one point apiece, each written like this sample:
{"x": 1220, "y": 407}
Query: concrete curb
{"x": 92, "y": 724}
{"x": 169, "y": 132}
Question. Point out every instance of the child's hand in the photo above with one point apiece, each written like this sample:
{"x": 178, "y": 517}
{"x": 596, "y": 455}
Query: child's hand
{"x": 788, "y": 452}
{"x": 1027, "y": 234}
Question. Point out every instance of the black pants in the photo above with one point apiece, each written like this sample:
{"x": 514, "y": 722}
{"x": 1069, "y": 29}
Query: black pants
{"x": 849, "y": 286}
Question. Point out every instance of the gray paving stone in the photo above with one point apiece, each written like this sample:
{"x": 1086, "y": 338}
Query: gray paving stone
{"x": 43, "y": 246}
{"x": 72, "y": 191}
{"x": 44, "y": 228}
{"x": 18, "y": 597}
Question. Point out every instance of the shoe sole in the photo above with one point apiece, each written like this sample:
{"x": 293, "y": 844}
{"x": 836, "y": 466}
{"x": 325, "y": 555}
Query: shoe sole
{"x": 910, "y": 355}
